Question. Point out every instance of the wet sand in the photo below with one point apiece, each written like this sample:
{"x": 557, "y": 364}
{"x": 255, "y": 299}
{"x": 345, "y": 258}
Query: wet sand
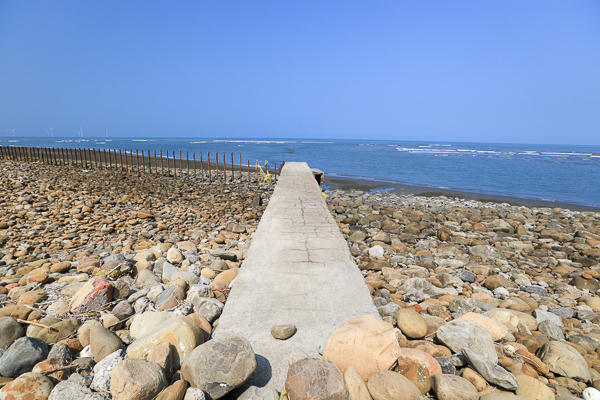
{"x": 347, "y": 183}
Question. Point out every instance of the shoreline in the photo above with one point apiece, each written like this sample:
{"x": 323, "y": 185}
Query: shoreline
{"x": 367, "y": 185}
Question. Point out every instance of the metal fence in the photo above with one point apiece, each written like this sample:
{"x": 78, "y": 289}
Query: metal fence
{"x": 143, "y": 161}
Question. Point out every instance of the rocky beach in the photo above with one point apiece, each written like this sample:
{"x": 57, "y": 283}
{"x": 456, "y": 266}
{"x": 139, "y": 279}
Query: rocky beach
{"x": 111, "y": 284}
{"x": 489, "y": 300}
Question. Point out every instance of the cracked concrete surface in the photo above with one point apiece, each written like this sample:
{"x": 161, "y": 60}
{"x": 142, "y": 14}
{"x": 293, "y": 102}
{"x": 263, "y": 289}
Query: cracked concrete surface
{"x": 298, "y": 271}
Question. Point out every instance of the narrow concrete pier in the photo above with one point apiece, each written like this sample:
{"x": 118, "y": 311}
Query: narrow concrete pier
{"x": 298, "y": 271}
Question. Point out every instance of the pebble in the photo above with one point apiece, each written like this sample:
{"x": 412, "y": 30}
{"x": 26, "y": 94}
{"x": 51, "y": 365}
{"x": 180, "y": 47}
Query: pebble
{"x": 283, "y": 332}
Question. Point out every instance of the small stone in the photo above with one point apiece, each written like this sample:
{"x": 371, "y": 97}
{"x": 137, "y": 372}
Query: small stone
{"x": 283, "y": 332}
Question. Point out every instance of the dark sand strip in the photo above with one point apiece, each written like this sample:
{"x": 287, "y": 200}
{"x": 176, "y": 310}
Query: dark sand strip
{"x": 347, "y": 183}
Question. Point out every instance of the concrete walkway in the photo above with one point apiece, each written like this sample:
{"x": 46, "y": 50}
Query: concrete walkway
{"x": 298, "y": 271}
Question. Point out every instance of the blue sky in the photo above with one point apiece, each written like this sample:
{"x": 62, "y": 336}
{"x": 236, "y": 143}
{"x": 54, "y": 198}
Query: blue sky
{"x": 484, "y": 71}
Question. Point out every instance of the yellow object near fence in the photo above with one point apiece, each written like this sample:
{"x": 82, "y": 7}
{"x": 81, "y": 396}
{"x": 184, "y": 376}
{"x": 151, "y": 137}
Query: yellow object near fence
{"x": 267, "y": 177}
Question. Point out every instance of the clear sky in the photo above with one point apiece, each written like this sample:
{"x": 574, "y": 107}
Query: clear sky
{"x": 486, "y": 71}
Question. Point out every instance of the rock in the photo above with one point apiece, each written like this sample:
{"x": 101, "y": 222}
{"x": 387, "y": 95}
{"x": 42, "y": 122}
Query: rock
{"x": 283, "y": 332}
{"x": 103, "y": 342}
{"x": 67, "y": 390}
{"x": 59, "y": 331}
{"x": 22, "y": 355}
{"x": 27, "y": 387}
{"x": 194, "y": 394}
{"x": 533, "y": 389}
{"x": 388, "y": 385}
{"x": 134, "y": 379}
{"x": 501, "y": 396}
{"x": 310, "y": 378}
{"x": 123, "y": 310}
{"x": 95, "y": 294}
{"x": 457, "y": 335}
{"x": 61, "y": 351}
{"x": 174, "y": 256}
{"x": 181, "y": 332}
{"x": 484, "y": 251}
{"x": 103, "y": 370}
{"x": 581, "y": 283}
{"x": 10, "y": 330}
{"x": 209, "y": 310}
{"x": 551, "y": 329}
{"x": 410, "y": 356}
{"x": 170, "y": 298}
{"x": 147, "y": 321}
{"x": 416, "y": 374}
{"x": 255, "y": 393}
{"x": 357, "y": 388}
{"x": 235, "y": 358}
{"x": 591, "y": 394}
{"x": 564, "y": 360}
{"x": 162, "y": 354}
{"x": 496, "y": 328}
{"x": 490, "y": 371}
{"x": 366, "y": 342}
{"x": 174, "y": 392}
{"x": 411, "y": 323}
{"x": 495, "y": 281}
{"x": 452, "y": 387}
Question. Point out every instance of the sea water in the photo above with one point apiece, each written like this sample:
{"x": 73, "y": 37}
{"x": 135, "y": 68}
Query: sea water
{"x": 562, "y": 173}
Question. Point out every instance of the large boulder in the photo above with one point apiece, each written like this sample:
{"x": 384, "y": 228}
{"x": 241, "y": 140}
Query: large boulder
{"x": 457, "y": 335}
{"x": 533, "y": 389}
{"x": 366, "y": 342}
{"x": 10, "y": 330}
{"x": 388, "y": 385}
{"x": 133, "y": 379}
{"x": 452, "y": 387}
{"x": 310, "y": 378}
{"x": 220, "y": 365}
{"x": 27, "y": 386}
{"x": 564, "y": 360}
{"x": 22, "y": 356}
{"x": 496, "y": 328}
{"x": 94, "y": 295}
{"x": 182, "y": 332}
{"x": 147, "y": 321}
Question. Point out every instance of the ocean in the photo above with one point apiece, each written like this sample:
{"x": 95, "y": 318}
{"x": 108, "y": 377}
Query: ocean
{"x": 560, "y": 173}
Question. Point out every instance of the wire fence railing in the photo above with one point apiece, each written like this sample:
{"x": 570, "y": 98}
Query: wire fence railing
{"x": 219, "y": 168}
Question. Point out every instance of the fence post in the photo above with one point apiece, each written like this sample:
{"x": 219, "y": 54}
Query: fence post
{"x": 201, "y": 167}
{"x": 232, "y": 173}
{"x": 224, "y": 169}
{"x": 217, "y": 158}
{"x": 208, "y": 157}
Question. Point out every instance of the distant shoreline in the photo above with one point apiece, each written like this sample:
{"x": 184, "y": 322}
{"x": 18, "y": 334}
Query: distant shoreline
{"x": 347, "y": 183}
